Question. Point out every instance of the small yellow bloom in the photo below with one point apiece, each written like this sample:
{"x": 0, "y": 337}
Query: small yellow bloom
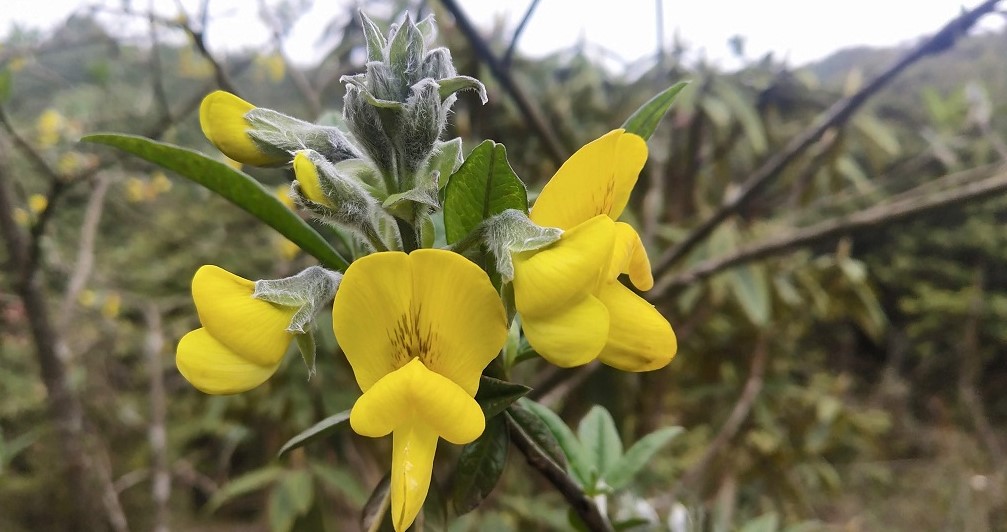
{"x": 37, "y": 203}
{"x": 50, "y": 125}
{"x": 594, "y": 183}
{"x": 418, "y": 331}
{"x": 110, "y": 307}
{"x": 242, "y": 340}
{"x": 222, "y": 117}
{"x": 160, "y": 183}
{"x": 282, "y": 193}
{"x": 136, "y": 190}
{"x": 21, "y": 216}
{"x": 307, "y": 176}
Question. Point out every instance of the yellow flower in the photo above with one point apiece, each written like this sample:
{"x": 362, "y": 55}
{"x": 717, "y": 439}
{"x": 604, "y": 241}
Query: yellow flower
{"x": 37, "y": 203}
{"x": 110, "y": 308}
{"x": 418, "y": 330}
{"x": 242, "y": 340}
{"x": 222, "y": 117}
{"x": 307, "y": 176}
{"x": 595, "y": 183}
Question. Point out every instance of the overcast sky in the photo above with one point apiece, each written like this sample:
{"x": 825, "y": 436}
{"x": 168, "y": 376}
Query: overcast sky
{"x": 799, "y": 30}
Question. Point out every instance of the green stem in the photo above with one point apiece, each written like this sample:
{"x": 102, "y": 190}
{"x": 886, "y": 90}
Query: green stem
{"x": 408, "y": 233}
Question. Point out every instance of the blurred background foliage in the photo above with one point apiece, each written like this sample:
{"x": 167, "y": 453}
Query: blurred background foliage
{"x": 848, "y": 382}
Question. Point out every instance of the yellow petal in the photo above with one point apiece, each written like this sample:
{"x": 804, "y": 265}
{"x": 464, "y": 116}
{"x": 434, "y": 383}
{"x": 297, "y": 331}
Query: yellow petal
{"x": 571, "y": 336}
{"x": 307, "y": 176}
{"x": 566, "y": 271}
{"x": 639, "y": 338}
{"x": 372, "y": 299}
{"x": 630, "y": 257}
{"x": 415, "y": 395}
{"x": 251, "y": 328}
{"x": 213, "y": 368}
{"x": 460, "y": 312}
{"x": 431, "y": 304}
{"x": 222, "y": 117}
{"x": 596, "y": 180}
{"x": 413, "y": 448}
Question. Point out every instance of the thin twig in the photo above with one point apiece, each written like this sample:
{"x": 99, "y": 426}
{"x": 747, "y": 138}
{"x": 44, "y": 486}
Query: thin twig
{"x": 836, "y": 115}
{"x": 868, "y": 219}
{"x": 509, "y": 54}
{"x": 735, "y": 419}
{"x": 482, "y": 49}
{"x": 64, "y": 405}
{"x": 153, "y": 346}
{"x": 85, "y": 252}
{"x": 583, "y": 505}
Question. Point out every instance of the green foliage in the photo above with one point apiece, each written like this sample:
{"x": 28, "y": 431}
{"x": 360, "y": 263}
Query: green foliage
{"x": 484, "y": 185}
{"x": 317, "y": 431}
{"x": 237, "y": 187}
{"x": 645, "y": 120}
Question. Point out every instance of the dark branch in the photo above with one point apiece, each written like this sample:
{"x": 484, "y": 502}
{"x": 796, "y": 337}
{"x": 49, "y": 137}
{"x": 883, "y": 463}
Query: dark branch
{"x": 836, "y": 115}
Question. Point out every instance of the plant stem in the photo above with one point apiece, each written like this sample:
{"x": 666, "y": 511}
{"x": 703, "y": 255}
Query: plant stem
{"x": 583, "y": 505}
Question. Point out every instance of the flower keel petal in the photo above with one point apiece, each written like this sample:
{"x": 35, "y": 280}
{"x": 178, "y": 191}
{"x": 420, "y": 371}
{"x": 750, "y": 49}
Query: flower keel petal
{"x": 214, "y": 369}
{"x": 256, "y": 330}
{"x": 639, "y": 337}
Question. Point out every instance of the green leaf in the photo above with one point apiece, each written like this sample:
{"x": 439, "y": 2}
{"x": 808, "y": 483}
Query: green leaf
{"x": 765, "y": 523}
{"x": 631, "y": 463}
{"x": 247, "y": 483}
{"x": 495, "y": 395}
{"x": 576, "y": 456}
{"x": 239, "y": 188}
{"x": 318, "y": 430}
{"x": 340, "y": 481}
{"x": 751, "y": 289}
{"x": 291, "y": 499}
{"x": 484, "y": 185}
{"x": 479, "y": 467}
{"x": 644, "y": 120}
{"x": 600, "y": 437}
{"x": 538, "y": 432}
{"x": 746, "y": 114}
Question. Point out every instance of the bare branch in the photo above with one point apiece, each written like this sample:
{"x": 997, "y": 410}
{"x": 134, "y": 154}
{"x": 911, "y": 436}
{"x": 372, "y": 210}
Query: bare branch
{"x": 482, "y": 49}
{"x": 836, "y": 115}
{"x": 868, "y": 219}
{"x": 509, "y": 55}
{"x": 585, "y": 508}
{"x": 85, "y": 253}
{"x": 738, "y": 415}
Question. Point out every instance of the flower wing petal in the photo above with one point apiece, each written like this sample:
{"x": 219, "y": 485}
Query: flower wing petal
{"x": 460, "y": 311}
{"x": 639, "y": 337}
{"x": 597, "y": 179}
{"x": 549, "y": 279}
{"x": 253, "y": 329}
{"x": 373, "y": 297}
{"x": 222, "y": 118}
{"x": 214, "y": 369}
{"x": 630, "y": 257}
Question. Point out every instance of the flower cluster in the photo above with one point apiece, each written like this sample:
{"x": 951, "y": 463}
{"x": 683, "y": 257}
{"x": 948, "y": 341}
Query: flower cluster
{"x": 419, "y": 324}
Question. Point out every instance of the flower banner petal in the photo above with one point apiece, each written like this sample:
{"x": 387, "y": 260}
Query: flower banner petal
{"x": 214, "y": 369}
{"x": 597, "y": 179}
{"x": 368, "y": 315}
{"x": 254, "y": 329}
{"x": 639, "y": 337}
{"x": 460, "y": 312}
